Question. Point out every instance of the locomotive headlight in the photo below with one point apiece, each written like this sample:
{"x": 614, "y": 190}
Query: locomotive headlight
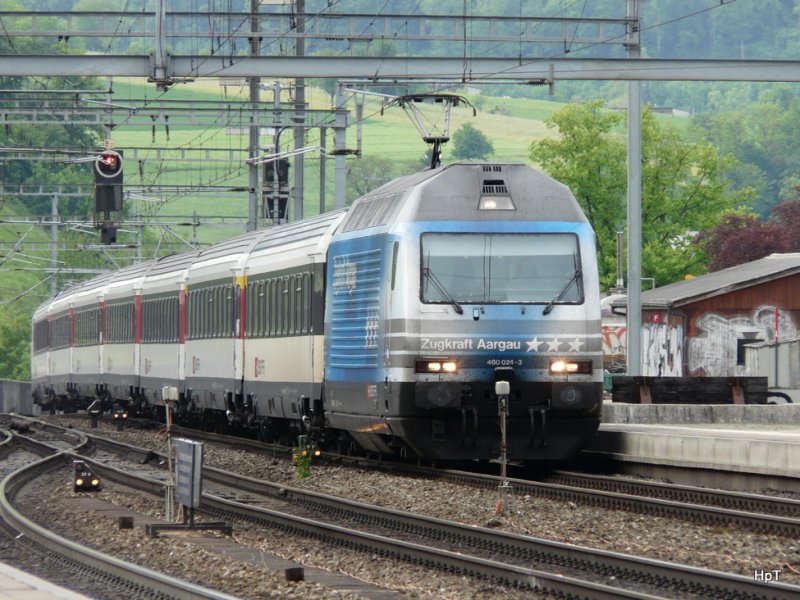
{"x": 79, "y": 482}
{"x": 570, "y": 367}
{"x": 436, "y": 366}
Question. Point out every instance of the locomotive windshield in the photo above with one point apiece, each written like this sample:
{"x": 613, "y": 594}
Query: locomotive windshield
{"x": 478, "y": 268}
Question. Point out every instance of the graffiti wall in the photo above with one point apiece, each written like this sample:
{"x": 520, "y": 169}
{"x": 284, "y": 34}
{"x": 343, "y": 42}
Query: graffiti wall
{"x": 662, "y": 350}
{"x": 715, "y": 351}
{"x": 614, "y": 342}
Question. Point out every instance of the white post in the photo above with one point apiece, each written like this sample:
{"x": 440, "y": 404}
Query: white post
{"x": 502, "y": 389}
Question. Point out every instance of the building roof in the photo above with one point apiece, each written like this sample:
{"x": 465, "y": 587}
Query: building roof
{"x": 774, "y": 266}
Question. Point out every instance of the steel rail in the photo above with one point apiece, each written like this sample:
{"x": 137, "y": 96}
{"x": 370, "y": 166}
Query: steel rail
{"x": 683, "y": 493}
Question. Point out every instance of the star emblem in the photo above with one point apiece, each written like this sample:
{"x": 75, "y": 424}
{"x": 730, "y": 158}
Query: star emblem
{"x": 533, "y": 345}
{"x": 575, "y": 346}
{"x": 552, "y": 346}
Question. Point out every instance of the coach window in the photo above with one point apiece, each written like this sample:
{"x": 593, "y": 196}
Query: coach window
{"x": 277, "y": 307}
{"x": 227, "y": 305}
{"x": 258, "y": 292}
{"x": 269, "y": 307}
{"x": 166, "y": 322}
{"x": 289, "y": 312}
{"x": 280, "y": 301}
{"x": 211, "y": 304}
{"x": 193, "y": 314}
{"x": 157, "y": 329}
{"x": 285, "y": 306}
{"x": 250, "y": 312}
{"x": 212, "y": 312}
{"x": 197, "y": 313}
{"x": 263, "y": 300}
{"x": 218, "y": 307}
{"x": 201, "y": 313}
{"x": 272, "y": 307}
{"x": 290, "y": 297}
{"x": 248, "y": 319}
{"x": 221, "y": 312}
{"x": 306, "y": 302}
{"x": 190, "y": 312}
{"x": 161, "y": 333}
{"x": 230, "y": 294}
{"x": 208, "y": 322}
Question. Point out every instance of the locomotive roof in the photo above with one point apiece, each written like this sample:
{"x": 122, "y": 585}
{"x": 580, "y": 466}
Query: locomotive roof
{"x": 439, "y": 194}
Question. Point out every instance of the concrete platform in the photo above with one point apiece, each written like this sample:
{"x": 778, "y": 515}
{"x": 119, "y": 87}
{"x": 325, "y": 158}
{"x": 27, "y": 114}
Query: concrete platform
{"x": 763, "y": 440}
{"x": 764, "y": 416}
{"x": 19, "y": 585}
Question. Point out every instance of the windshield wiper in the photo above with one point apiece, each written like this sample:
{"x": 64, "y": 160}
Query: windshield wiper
{"x": 442, "y": 290}
{"x": 563, "y": 291}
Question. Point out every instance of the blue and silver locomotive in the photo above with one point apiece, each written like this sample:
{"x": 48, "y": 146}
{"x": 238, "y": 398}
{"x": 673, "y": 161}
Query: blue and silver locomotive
{"x": 385, "y": 325}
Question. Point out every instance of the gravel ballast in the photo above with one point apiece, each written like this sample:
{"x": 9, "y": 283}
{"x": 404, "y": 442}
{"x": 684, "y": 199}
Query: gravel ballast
{"x": 720, "y": 548}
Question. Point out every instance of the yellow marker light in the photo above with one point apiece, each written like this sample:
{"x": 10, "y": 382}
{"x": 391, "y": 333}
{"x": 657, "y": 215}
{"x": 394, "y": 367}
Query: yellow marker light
{"x": 436, "y": 366}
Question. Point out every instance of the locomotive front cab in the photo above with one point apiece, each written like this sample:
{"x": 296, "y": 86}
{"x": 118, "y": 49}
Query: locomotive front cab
{"x": 505, "y": 306}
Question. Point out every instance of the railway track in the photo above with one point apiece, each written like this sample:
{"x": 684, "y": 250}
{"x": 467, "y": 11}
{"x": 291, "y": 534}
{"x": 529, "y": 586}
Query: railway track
{"x": 757, "y": 512}
{"x": 515, "y": 560}
{"x": 766, "y": 514}
{"x": 102, "y": 574}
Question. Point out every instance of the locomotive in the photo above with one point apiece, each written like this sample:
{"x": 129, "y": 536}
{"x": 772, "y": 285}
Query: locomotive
{"x": 385, "y": 325}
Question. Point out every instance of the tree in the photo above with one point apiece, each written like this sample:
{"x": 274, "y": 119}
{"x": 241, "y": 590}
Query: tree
{"x": 683, "y": 188}
{"x": 470, "y": 143}
{"x": 741, "y": 238}
{"x": 15, "y": 341}
{"x": 591, "y": 161}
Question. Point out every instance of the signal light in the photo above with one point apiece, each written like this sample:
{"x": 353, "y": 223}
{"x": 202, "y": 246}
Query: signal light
{"x": 282, "y": 165}
{"x": 108, "y": 166}
{"x": 108, "y": 183}
{"x": 85, "y": 479}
